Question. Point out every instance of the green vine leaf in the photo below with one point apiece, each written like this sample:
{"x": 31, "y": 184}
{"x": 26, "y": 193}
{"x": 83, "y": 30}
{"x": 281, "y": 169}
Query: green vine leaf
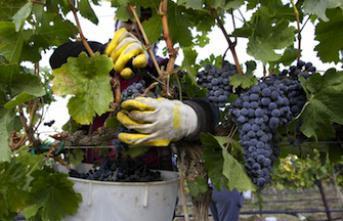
{"x": 330, "y": 36}
{"x": 57, "y": 6}
{"x": 319, "y": 7}
{"x": 289, "y": 56}
{"x": 54, "y": 195}
{"x": 268, "y": 31}
{"x": 197, "y": 186}
{"x": 31, "y": 211}
{"x": 325, "y": 104}
{"x": 189, "y": 61}
{"x": 194, "y": 4}
{"x": 191, "y": 88}
{"x": 20, "y": 17}
{"x": 153, "y": 27}
{"x": 235, "y": 174}
{"x": 223, "y": 4}
{"x": 179, "y": 25}
{"x": 214, "y": 160}
{"x": 23, "y": 86}
{"x": 88, "y": 80}
{"x": 13, "y": 194}
{"x": 47, "y": 35}
{"x": 250, "y": 67}
{"x": 6, "y": 125}
{"x": 123, "y": 13}
{"x": 19, "y": 99}
{"x": 120, "y": 2}
{"x": 223, "y": 169}
{"x": 263, "y": 43}
{"x": 243, "y": 81}
{"x": 11, "y": 42}
{"x": 87, "y": 11}
{"x": 9, "y": 8}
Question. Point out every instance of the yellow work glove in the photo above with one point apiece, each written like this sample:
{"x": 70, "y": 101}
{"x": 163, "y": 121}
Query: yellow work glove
{"x": 123, "y": 47}
{"x": 157, "y": 121}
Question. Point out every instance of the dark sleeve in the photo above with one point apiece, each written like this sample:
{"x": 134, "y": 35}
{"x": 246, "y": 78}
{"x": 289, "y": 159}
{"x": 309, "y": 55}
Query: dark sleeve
{"x": 72, "y": 49}
{"x": 208, "y": 116}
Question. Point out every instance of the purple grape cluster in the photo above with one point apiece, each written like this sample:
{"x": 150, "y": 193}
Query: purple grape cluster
{"x": 258, "y": 113}
{"x": 216, "y": 81}
{"x": 119, "y": 170}
{"x": 301, "y": 69}
{"x": 295, "y": 92}
{"x": 133, "y": 90}
{"x": 272, "y": 103}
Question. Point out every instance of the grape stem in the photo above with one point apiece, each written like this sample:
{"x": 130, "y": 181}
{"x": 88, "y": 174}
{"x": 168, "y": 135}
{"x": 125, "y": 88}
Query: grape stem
{"x": 163, "y": 10}
{"x": 148, "y": 89}
{"x": 302, "y": 28}
{"x": 145, "y": 38}
{"x": 230, "y": 136}
{"x": 83, "y": 38}
{"x": 166, "y": 35}
{"x": 16, "y": 141}
{"x": 296, "y": 14}
{"x": 115, "y": 83}
{"x": 232, "y": 45}
{"x": 27, "y": 129}
{"x": 148, "y": 48}
{"x": 242, "y": 16}
{"x": 34, "y": 106}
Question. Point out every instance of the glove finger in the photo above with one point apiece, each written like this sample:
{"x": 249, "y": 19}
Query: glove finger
{"x": 130, "y": 138}
{"x": 127, "y": 73}
{"x": 153, "y": 102}
{"x": 130, "y": 52}
{"x": 153, "y": 140}
{"x": 145, "y": 116}
{"x": 142, "y": 139}
{"x": 140, "y": 61}
{"x": 144, "y": 128}
{"x": 126, "y": 120}
{"x": 136, "y": 104}
{"x": 122, "y": 46}
{"x": 118, "y": 36}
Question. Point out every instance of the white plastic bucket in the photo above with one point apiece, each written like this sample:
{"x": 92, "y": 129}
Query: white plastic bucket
{"x": 127, "y": 201}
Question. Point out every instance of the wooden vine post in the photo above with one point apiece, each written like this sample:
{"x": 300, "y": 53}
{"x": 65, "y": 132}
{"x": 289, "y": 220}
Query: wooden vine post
{"x": 190, "y": 155}
{"x": 192, "y": 168}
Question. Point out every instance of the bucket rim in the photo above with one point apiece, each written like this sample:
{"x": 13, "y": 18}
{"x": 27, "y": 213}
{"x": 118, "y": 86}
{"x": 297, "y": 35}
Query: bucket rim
{"x": 154, "y": 183}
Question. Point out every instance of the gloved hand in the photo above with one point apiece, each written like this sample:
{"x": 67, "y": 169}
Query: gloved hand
{"x": 157, "y": 121}
{"x": 123, "y": 47}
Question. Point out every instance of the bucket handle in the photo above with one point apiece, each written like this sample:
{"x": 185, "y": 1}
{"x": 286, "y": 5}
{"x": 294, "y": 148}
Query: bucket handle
{"x": 89, "y": 194}
{"x": 146, "y": 197}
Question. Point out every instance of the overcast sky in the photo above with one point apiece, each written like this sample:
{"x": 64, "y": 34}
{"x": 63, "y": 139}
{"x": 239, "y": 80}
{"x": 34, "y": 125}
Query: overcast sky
{"x": 104, "y": 31}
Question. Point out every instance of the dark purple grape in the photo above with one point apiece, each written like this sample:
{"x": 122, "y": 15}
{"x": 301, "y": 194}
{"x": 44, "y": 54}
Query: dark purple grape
{"x": 133, "y": 90}
{"x": 216, "y": 81}
{"x": 260, "y": 111}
